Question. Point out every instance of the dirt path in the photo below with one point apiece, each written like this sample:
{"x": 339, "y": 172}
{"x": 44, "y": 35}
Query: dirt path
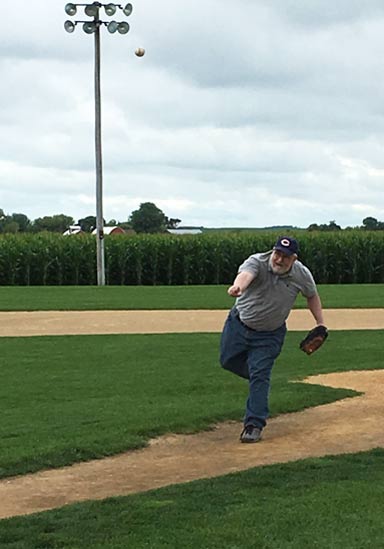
{"x": 136, "y": 322}
{"x": 345, "y": 426}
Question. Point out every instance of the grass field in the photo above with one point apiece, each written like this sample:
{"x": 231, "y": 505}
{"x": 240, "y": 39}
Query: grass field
{"x": 92, "y": 396}
{"x": 32, "y": 298}
{"x": 328, "y": 503}
{"x": 71, "y": 398}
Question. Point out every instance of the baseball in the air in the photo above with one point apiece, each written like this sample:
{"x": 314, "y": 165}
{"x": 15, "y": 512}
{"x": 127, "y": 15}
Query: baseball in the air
{"x": 140, "y": 52}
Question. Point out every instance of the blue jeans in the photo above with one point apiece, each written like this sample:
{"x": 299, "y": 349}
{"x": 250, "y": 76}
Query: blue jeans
{"x": 251, "y": 354}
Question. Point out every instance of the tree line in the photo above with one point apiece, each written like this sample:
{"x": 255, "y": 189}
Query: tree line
{"x": 148, "y": 218}
{"x": 369, "y": 224}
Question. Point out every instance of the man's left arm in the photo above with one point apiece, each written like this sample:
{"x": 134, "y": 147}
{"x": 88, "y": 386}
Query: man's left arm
{"x": 314, "y": 305}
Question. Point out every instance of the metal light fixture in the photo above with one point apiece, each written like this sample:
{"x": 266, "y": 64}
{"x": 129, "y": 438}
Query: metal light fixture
{"x": 91, "y": 10}
{"x": 93, "y": 27}
{"x": 112, "y": 26}
{"x": 69, "y": 26}
{"x": 110, "y": 9}
{"x": 70, "y": 9}
{"x": 123, "y": 28}
{"x": 89, "y": 27}
{"x": 127, "y": 10}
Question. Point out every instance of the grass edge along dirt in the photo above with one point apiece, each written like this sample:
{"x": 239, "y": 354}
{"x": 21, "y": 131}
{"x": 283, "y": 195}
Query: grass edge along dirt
{"x": 67, "y": 399}
{"x": 333, "y": 501}
{"x": 35, "y": 298}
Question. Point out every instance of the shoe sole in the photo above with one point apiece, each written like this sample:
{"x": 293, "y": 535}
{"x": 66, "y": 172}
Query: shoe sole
{"x": 250, "y": 441}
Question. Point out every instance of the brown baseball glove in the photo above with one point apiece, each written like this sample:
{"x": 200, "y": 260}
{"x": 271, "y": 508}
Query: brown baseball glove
{"x": 314, "y": 339}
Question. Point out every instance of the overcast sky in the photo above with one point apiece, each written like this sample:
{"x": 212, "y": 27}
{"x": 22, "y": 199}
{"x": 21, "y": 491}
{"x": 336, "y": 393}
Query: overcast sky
{"x": 241, "y": 114}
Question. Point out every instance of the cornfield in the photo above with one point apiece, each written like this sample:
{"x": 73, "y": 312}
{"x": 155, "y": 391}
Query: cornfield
{"x": 343, "y": 257}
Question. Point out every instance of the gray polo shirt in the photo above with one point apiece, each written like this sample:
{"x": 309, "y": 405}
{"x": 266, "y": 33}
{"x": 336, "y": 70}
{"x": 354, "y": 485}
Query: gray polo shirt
{"x": 268, "y": 300}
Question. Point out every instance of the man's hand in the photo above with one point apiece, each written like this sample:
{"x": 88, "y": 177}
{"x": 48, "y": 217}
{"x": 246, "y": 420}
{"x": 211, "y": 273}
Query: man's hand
{"x": 234, "y": 291}
{"x": 241, "y": 283}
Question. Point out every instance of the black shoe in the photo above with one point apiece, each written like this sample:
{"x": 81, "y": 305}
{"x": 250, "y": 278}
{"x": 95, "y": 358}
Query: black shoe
{"x": 250, "y": 433}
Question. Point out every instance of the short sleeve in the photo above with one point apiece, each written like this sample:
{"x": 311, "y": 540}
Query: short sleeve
{"x": 250, "y": 265}
{"x": 308, "y": 286}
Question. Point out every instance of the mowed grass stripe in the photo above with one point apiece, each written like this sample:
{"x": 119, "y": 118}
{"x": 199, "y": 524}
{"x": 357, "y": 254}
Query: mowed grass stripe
{"x": 34, "y": 298}
{"x": 73, "y": 398}
{"x": 332, "y": 502}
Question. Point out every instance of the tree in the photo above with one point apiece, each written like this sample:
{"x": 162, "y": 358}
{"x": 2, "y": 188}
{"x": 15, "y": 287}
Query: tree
{"x": 313, "y": 227}
{"x": 148, "y": 219}
{"x": 13, "y": 223}
{"x": 55, "y": 223}
{"x": 371, "y": 224}
{"x": 172, "y": 223}
{"x": 22, "y": 220}
{"x": 126, "y": 225}
{"x": 332, "y": 226}
{"x": 88, "y": 223}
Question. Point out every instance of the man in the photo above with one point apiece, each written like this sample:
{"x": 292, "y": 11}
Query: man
{"x": 266, "y": 287}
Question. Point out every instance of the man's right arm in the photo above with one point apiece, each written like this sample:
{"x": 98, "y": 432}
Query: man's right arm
{"x": 241, "y": 283}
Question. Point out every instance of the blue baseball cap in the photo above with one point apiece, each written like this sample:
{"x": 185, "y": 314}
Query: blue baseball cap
{"x": 287, "y": 245}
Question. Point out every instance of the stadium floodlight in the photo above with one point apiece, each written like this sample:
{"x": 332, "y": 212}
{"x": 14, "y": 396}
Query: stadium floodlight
{"x": 91, "y": 10}
{"x": 123, "y": 27}
{"x": 127, "y": 10}
{"x": 110, "y": 9}
{"x": 70, "y": 9}
{"x": 89, "y": 27}
{"x": 112, "y": 26}
{"x": 93, "y": 27}
{"x": 69, "y": 26}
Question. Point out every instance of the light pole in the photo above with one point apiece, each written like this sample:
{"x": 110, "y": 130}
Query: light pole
{"x": 93, "y": 27}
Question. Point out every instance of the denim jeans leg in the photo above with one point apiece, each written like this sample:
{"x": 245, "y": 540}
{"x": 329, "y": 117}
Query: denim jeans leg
{"x": 265, "y": 348}
{"x": 234, "y": 347}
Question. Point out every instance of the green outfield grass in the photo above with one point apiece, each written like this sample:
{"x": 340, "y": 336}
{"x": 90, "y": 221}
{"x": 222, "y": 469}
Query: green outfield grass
{"x": 73, "y": 398}
{"x": 328, "y": 503}
{"x": 33, "y": 298}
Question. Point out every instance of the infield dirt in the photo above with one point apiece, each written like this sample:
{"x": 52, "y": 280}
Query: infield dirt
{"x": 135, "y": 322}
{"x": 345, "y": 426}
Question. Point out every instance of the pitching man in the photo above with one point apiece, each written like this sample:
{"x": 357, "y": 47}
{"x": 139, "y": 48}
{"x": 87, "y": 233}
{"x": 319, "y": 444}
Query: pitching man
{"x": 266, "y": 287}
